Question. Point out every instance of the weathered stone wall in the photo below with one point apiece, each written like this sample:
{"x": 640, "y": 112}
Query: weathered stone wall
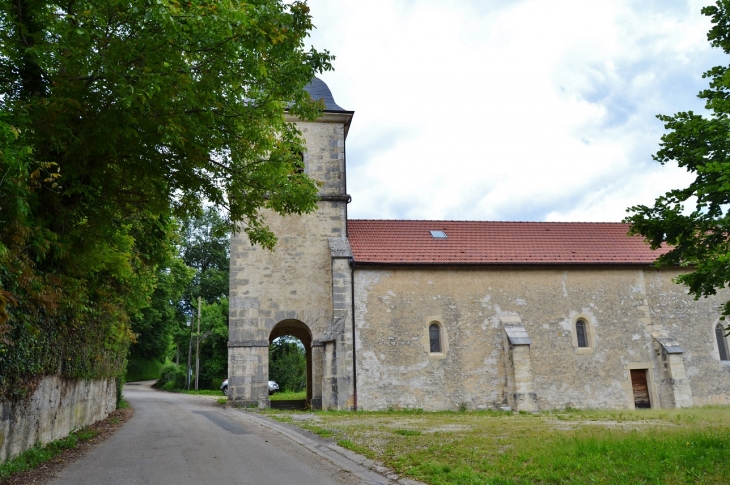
{"x": 338, "y": 382}
{"x": 292, "y": 283}
{"x": 692, "y": 324}
{"x": 625, "y": 309}
{"x": 57, "y": 407}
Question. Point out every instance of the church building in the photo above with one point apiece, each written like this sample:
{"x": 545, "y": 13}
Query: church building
{"x": 446, "y": 315}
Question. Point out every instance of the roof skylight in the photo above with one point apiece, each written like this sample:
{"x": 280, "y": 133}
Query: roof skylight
{"x": 438, "y": 234}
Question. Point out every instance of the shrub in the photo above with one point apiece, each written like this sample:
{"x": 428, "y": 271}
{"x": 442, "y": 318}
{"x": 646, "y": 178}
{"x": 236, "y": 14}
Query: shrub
{"x": 141, "y": 369}
{"x": 171, "y": 377}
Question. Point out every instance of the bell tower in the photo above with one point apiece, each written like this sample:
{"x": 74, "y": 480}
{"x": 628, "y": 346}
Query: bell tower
{"x": 295, "y": 289}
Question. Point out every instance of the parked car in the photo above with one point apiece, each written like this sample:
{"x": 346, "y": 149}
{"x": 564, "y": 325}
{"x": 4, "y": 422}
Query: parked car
{"x": 273, "y": 387}
{"x": 224, "y": 386}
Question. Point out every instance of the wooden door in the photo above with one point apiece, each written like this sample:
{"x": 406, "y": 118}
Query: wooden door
{"x": 641, "y": 389}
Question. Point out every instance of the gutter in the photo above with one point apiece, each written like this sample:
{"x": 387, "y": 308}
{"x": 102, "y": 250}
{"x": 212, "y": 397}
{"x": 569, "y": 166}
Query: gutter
{"x": 499, "y": 264}
{"x": 354, "y": 355}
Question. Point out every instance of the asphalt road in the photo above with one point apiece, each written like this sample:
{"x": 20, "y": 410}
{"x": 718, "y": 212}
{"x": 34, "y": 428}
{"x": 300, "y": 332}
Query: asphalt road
{"x": 181, "y": 439}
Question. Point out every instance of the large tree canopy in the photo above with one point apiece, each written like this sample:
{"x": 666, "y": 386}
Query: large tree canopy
{"x": 695, "y": 221}
{"x": 147, "y": 103}
{"x": 115, "y": 117}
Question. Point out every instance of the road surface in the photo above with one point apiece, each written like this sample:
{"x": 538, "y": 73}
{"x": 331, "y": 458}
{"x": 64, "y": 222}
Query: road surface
{"x": 181, "y": 439}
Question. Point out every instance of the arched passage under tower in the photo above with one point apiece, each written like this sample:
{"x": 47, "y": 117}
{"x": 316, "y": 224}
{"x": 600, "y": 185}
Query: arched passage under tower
{"x": 299, "y": 330}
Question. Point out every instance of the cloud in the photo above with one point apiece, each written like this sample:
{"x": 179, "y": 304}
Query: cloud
{"x": 526, "y": 110}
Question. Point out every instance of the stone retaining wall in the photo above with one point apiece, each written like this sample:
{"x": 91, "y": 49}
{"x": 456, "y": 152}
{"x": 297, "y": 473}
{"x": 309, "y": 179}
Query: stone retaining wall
{"x": 57, "y": 407}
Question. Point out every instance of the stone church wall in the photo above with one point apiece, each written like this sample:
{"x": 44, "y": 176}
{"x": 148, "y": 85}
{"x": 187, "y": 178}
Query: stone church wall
{"x": 692, "y": 323}
{"x": 625, "y": 308}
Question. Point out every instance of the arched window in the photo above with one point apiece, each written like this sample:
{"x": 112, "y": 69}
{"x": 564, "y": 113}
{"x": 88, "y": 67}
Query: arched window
{"x": 580, "y": 333}
{"x": 434, "y": 336}
{"x": 721, "y": 342}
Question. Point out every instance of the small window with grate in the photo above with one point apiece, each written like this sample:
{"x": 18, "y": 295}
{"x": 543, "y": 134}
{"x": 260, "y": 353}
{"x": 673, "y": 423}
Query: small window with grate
{"x": 581, "y": 332}
{"x": 434, "y": 337}
{"x": 721, "y": 341}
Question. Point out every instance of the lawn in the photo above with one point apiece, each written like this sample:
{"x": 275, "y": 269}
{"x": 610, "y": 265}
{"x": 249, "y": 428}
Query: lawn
{"x": 498, "y": 448}
{"x": 288, "y": 396}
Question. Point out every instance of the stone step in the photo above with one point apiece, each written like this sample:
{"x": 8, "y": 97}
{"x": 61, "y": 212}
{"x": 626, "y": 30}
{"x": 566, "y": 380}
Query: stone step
{"x": 289, "y": 404}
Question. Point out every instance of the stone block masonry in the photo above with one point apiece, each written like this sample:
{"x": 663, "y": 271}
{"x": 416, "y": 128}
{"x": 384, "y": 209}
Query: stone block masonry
{"x": 296, "y": 289}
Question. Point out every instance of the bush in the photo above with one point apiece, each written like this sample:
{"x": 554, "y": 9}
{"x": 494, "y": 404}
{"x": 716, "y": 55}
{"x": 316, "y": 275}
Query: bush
{"x": 119, "y": 381}
{"x": 171, "y": 377}
{"x": 141, "y": 369}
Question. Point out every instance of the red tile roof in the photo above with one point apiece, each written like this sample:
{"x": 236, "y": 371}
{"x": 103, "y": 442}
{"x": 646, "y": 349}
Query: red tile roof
{"x": 480, "y": 242}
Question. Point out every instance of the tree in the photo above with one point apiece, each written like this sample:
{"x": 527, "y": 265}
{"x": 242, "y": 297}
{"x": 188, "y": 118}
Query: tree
{"x": 154, "y": 326}
{"x": 163, "y": 104}
{"x": 288, "y": 364}
{"x": 115, "y": 118}
{"x": 694, "y": 222}
{"x": 214, "y": 343}
{"x": 204, "y": 248}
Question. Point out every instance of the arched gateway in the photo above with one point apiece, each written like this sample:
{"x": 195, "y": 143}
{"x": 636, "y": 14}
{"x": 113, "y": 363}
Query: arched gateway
{"x": 297, "y": 329}
{"x": 302, "y": 287}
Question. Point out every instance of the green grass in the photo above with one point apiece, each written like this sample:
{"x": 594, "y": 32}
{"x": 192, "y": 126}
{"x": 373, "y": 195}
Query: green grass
{"x": 324, "y": 433}
{"x": 353, "y": 447}
{"x": 140, "y": 369}
{"x": 36, "y": 456}
{"x": 222, "y": 400}
{"x": 199, "y": 392}
{"x": 288, "y": 396}
{"x": 686, "y": 446}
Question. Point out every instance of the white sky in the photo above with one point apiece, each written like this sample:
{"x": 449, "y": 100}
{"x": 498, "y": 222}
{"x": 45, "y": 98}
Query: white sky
{"x": 528, "y": 110}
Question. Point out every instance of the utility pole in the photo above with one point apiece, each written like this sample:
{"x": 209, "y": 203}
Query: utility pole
{"x": 190, "y": 351}
{"x": 197, "y": 349}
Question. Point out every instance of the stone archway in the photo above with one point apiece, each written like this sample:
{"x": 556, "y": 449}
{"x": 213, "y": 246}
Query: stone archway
{"x": 297, "y": 329}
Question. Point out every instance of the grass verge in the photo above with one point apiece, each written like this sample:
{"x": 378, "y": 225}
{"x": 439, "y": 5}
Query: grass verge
{"x": 686, "y": 446}
{"x": 39, "y": 454}
{"x": 42, "y": 463}
{"x": 199, "y": 392}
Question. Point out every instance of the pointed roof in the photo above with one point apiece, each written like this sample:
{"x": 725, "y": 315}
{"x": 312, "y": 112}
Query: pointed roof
{"x": 317, "y": 89}
{"x": 486, "y": 242}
